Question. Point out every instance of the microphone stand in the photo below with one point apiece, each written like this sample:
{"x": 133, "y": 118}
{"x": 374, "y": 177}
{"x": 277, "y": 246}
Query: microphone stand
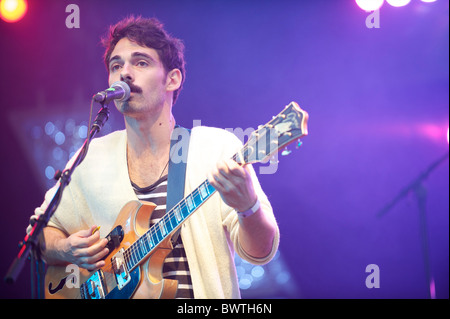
{"x": 420, "y": 192}
{"x": 29, "y": 247}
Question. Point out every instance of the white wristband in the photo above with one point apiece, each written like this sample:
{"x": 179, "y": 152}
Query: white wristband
{"x": 250, "y": 211}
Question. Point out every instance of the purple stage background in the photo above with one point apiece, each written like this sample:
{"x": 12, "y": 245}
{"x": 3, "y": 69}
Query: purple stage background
{"x": 377, "y": 99}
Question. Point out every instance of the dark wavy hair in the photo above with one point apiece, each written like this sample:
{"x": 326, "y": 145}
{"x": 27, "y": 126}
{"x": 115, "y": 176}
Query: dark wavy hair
{"x": 148, "y": 32}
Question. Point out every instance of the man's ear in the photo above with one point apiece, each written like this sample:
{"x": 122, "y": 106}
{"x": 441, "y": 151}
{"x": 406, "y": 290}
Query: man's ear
{"x": 173, "y": 80}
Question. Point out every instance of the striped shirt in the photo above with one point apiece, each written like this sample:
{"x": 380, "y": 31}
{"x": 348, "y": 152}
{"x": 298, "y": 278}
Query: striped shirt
{"x": 175, "y": 265}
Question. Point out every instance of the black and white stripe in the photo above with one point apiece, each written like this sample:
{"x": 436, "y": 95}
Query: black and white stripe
{"x": 175, "y": 265}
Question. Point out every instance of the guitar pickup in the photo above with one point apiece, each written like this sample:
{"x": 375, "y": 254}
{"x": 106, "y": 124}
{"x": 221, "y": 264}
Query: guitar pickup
{"x": 93, "y": 288}
{"x": 120, "y": 270}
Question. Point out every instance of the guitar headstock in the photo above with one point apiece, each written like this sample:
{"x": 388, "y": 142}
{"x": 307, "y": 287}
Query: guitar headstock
{"x": 288, "y": 126}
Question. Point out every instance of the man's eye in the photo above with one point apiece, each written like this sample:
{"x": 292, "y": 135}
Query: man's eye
{"x": 114, "y": 67}
{"x": 142, "y": 63}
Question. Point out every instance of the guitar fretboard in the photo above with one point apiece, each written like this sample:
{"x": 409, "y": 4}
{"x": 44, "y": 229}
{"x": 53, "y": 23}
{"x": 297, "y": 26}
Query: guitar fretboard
{"x": 167, "y": 225}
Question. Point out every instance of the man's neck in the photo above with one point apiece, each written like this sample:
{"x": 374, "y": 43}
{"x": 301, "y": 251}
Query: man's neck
{"x": 148, "y": 147}
{"x": 149, "y": 135}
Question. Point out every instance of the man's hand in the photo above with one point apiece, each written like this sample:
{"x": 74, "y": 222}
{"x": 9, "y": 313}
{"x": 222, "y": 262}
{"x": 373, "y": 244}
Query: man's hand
{"x": 83, "y": 248}
{"x": 234, "y": 183}
{"x": 86, "y": 249}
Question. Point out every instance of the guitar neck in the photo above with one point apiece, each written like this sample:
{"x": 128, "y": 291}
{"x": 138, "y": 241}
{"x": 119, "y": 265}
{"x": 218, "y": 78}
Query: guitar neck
{"x": 167, "y": 225}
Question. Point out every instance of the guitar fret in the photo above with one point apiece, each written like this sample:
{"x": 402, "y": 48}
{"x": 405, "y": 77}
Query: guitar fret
{"x": 177, "y": 213}
{"x": 211, "y": 188}
{"x": 197, "y": 199}
{"x": 138, "y": 252}
{"x": 162, "y": 228}
{"x": 158, "y": 235}
{"x": 150, "y": 238}
{"x": 167, "y": 224}
{"x": 129, "y": 258}
{"x": 146, "y": 241}
{"x": 133, "y": 257}
{"x": 169, "y": 217}
{"x": 184, "y": 211}
{"x": 203, "y": 192}
{"x": 190, "y": 203}
{"x": 142, "y": 249}
{"x": 128, "y": 262}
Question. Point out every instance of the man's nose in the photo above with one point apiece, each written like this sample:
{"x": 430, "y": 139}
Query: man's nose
{"x": 126, "y": 75}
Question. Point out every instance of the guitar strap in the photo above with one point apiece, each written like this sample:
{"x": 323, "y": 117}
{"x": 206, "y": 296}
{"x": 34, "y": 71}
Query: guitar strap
{"x": 179, "y": 146}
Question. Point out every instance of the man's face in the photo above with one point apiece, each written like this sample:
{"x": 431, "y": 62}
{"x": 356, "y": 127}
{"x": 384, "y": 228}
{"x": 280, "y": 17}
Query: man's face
{"x": 142, "y": 69}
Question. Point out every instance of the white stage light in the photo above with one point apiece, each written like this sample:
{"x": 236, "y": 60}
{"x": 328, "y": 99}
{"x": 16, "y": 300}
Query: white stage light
{"x": 398, "y": 3}
{"x": 369, "y": 5}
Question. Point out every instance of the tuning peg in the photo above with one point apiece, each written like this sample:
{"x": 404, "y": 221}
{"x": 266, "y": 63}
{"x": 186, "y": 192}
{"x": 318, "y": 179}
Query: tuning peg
{"x": 299, "y": 143}
{"x": 286, "y": 152}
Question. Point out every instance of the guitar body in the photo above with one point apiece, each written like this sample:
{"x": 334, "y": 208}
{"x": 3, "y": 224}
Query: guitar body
{"x": 144, "y": 281}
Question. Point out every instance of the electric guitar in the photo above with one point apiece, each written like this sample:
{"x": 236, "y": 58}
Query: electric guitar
{"x": 137, "y": 253}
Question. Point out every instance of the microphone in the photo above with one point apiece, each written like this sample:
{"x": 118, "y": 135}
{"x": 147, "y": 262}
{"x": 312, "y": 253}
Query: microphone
{"x": 119, "y": 91}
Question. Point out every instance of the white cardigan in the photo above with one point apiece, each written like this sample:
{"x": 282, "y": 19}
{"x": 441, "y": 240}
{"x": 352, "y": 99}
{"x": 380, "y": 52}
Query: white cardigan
{"x": 100, "y": 187}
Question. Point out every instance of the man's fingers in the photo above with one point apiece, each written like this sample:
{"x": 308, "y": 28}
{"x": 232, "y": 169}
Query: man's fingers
{"x": 218, "y": 181}
{"x": 93, "y": 249}
{"x": 86, "y": 237}
{"x": 94, "y": 266}
{"x": 91, "y": 257}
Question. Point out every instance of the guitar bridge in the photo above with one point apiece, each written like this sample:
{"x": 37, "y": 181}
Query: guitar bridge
{"x": 93, "y": 288}
{"x": 120, "y": 269}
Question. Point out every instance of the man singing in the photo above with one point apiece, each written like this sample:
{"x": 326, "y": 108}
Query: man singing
{"x": 134, "y": 164}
